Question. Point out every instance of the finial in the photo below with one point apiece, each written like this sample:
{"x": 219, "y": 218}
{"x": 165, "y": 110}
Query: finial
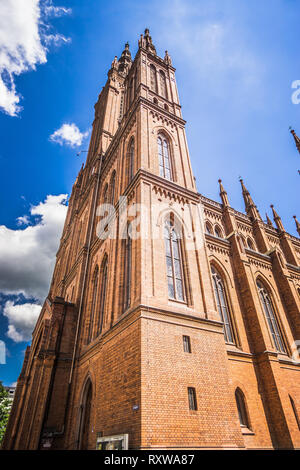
{"x": 221, "y": 185}
{"x": 250, "y": 207}
{"x": 277, "y": 219}
{"x": 246, "y": 194}
{"x": 243, "y": 186}
{"x": 241, "y": 180}
{"x": 269, "y": 221}
{"x": 297, "y": 224}
{"x": 167, "y": 59}
{"x": 146, "y": 42}
{"x": 125, "y": 60}
{"x": 114, "y": 64}
{"x": 141, "y": 41}
{"x": 296, "y": 138}
{"x": 223, "y": 194}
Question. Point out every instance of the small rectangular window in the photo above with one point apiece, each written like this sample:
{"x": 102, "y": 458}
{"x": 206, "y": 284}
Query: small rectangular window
{"x": 187, "y": 344}
{"x": 192, "y": 398}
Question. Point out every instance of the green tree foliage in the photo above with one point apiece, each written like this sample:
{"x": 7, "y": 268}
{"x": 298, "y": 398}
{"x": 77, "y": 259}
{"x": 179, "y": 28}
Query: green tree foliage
{"x": 5, "y": 405}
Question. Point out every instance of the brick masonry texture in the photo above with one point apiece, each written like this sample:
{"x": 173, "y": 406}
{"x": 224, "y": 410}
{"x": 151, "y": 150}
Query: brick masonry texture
{"x": 107, "y": 354}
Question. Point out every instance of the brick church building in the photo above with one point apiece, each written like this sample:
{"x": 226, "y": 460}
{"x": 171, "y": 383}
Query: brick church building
{"x": 172, "y": 320}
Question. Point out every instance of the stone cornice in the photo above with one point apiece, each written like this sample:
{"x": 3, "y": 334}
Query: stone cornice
{"x": 210, "y": 202}
{"x": 217, "y": 240}
{"x": 167, "y": 184}
{"x": 293, "y": 268}
{"x": 239, "y": 353}
{"x": 257, "y": 254}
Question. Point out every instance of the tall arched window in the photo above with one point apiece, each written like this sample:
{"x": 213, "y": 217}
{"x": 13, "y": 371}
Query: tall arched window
{"x": 105, "y": 194}
{"x": 77, "y": 247}
{"x": 222, "y": 305}
{"x": 127, "y": 270}
{"x": 250, "y": 244}
{"x": 218, "y": 232}
{"x": 174, "y": 262}
{"x": 84, "y": 418}
{"x": 112, "y": 188}
{"x": 165, "y": 169}
{"x": 130, "y": 162}
{"x": 153, "y": 81}
{"x": 208, "y": 228}
{"x": 242, "y": 242}
{"x": 271, "y": 317}
{"x": 241, "y": 407}
{"x": 131, "y": 90}
{"x": 135, "y": 82}
{"x": 163, "y": 85}
{"x": 103, "y": 290}
{"x": 93, "y": 304}
{"x": 121, "y": 106}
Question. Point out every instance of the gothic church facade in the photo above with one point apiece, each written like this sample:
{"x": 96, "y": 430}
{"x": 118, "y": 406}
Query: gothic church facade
{"x": 182, "y": 337}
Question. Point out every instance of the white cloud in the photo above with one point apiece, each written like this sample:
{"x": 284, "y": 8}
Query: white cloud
{"x": 24, "y": 220}
{"x": 28, "y": 255}
{"x": 56, "y": 39}
{"x": 68, "y": 134}
{"x": 21, "y": 320}
{"x": 23, "y": 41}
{"x": 51, "y": 10}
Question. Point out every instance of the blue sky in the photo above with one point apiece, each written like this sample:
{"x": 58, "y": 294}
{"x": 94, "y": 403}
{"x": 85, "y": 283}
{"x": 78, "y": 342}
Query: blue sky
{"x": 236, "y": 61}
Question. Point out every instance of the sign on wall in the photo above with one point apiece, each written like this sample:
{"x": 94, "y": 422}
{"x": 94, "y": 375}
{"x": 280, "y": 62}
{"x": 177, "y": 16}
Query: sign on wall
{"x": 118, "y": 442}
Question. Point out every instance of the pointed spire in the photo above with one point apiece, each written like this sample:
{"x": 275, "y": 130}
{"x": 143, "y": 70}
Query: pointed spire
{"x": 167, "y": 59}
{"x": 223, "y": 194}
{"x": 246, "y": 193}
{"x": 125, "y": 59}
{"x": 250, "y": 207}
{"x": 269, "y": 221}
{"x": 277, "y": 219}
{"x": 145, "y": 41}
{"x": 296, "y": 138}
{"x": 297, "y": 224}
{"x": 114, "y": 64}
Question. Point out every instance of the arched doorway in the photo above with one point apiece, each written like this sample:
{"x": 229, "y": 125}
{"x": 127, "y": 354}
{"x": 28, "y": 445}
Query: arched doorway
{"x": 85, "y": 413}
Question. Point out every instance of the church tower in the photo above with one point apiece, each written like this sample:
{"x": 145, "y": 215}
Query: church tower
{"x": 134, "y": 336}
{"x": 130, "y": 329}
